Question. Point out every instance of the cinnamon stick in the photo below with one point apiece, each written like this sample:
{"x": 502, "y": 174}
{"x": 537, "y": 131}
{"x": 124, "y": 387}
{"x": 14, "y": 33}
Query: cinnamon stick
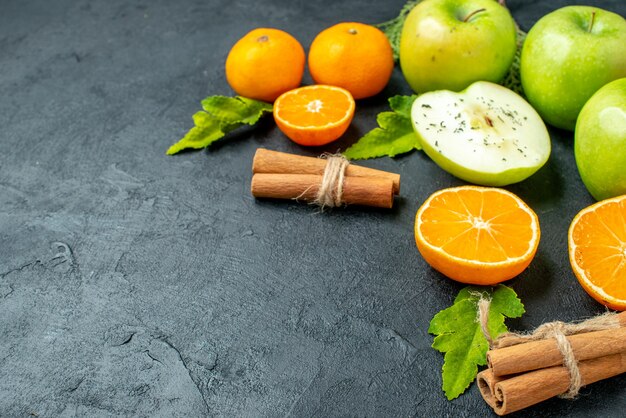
{"x": 368, "y": 191}
{"x": 274, "y": 162}
{"x": 486, "y": 381}
{"x": 508, "y": 340}
{"x": 506, "y": 395}
{"x": 535, "y": 355}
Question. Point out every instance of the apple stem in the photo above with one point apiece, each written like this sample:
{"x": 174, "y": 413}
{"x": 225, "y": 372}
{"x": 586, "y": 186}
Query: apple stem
{"x": 593, "y": 18}
{"x": 473, "y": 13}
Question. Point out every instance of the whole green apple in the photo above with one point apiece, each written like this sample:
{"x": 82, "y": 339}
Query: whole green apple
{"x": 600, "y": 141}
{"x": 449, "y": 44}
{"x": 567, "y": 56}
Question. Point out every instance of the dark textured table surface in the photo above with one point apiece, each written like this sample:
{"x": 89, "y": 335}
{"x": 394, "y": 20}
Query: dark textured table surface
{"x": 137, "y": 284}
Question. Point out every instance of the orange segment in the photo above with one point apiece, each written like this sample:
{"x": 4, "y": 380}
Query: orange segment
{"x": 597, "y": 251}
{"x": 314, "y": 115}
{"x": 477, "y": 235}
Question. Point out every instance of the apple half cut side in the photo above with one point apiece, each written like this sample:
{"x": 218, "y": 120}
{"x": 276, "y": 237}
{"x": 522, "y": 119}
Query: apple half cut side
{"x": 485, "y": 134}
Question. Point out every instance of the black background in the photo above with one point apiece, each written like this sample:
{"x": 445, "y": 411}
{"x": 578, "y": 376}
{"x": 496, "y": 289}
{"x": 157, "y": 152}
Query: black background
{"x": 173, "y": 291}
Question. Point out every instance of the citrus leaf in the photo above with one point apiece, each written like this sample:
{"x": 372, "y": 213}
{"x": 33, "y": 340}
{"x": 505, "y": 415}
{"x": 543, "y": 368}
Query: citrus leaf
{"x": 206, "y": 131}
{"x": 395, "y": 134}
{"x": 237, "y": 110}
{"x": 221, "y": 115}
{"x": 459, "y": 336}
{"x": 402, "y": 104}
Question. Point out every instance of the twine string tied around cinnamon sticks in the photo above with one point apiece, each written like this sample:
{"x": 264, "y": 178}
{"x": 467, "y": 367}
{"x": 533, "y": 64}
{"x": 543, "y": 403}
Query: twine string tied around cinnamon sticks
{"x": 558, "y": 331}
{"x": 330, "y": 191}
{"x": 326, "y": 181}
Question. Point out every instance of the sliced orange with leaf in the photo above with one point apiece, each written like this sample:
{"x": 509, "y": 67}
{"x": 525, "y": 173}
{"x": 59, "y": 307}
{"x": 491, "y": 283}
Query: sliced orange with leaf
{"x": 477, "y": 235}
{"x": 314, "y": 115}
{"x": 597, "y": 251}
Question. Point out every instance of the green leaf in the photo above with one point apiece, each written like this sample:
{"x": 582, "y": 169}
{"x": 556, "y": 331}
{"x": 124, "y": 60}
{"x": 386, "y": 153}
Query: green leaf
{"x": 238, "y": 110}
{"x": 221, "y": 115}
{"x": 402, "y": 104}
{"x": 459, "y": 336}
{"x": 204, "y": 133}
{"x": 395, "y": 134}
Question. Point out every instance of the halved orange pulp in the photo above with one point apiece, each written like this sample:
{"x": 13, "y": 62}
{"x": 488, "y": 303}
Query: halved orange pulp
{"x": 477, "y": 235}
{"x": 314, "y": 115}
{"x": 597, "y": 251}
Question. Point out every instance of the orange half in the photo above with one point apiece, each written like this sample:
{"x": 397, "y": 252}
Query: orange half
{"x": 477, "y": 235}
{"x": 314, "y": 115}
{"x": 597, "y": 251}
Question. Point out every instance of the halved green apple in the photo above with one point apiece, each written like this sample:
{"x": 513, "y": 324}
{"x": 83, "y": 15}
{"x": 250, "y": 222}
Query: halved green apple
{"x": 485, "y": 134}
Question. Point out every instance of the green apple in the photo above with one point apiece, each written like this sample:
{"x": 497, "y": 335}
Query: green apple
{"x": 485, "y": 135}
{"x": 567, "y": 56}
{"x": 600, "y": 141}
{"x": 449, "y": 44}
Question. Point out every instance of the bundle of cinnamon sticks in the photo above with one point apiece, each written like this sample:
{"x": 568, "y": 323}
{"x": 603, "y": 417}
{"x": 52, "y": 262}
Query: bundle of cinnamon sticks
{"x": 280, "y": 175}
{"x": 527, "y": 373}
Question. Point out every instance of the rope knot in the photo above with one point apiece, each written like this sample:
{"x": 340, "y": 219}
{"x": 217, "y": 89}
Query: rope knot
{"x": 330, "y": 192}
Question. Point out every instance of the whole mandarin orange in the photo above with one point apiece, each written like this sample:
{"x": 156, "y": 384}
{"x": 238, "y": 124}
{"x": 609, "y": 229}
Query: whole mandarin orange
{"x": 354, "y": 56}
{"x": 264, "y": 64}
